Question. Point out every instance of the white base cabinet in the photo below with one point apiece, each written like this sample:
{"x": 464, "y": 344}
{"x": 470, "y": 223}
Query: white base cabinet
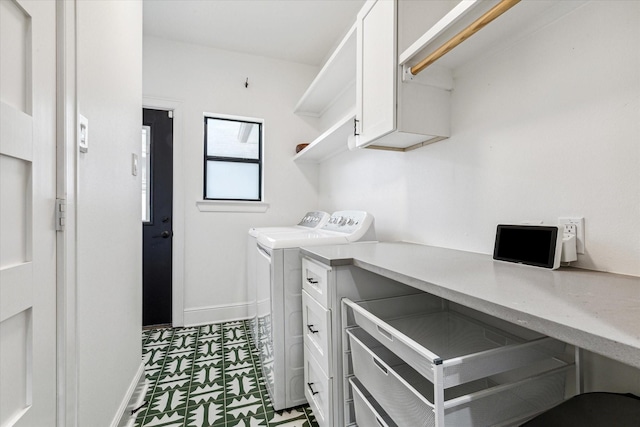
{"x": 377, "y": 350}
{"x": 323, "y": 287}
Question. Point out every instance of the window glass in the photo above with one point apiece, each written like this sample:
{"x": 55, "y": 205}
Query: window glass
{"x": 229, "y": 138}
{"x": 232, "y": 180}
{"x": 232, "y": 159}
{"x": 145, "y": 169}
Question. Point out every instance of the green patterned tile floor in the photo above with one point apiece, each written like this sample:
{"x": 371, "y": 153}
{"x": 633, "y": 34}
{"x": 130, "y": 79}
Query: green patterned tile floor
{"x": 209, "y": 376}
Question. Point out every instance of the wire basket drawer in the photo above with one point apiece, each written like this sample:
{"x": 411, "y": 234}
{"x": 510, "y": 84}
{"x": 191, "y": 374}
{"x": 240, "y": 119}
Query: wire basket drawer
{"x": 424, "y": 332}
{"x": 408, "y": 398}
{"x": 368, "y": 411}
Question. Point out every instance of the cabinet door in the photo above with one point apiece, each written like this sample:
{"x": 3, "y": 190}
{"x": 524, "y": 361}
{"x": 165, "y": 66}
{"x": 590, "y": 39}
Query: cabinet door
{"x": 376, "y": 71}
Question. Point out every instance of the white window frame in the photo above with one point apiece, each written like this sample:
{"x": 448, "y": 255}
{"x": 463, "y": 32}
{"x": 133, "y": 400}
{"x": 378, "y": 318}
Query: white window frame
{"x": 219, "y": 205}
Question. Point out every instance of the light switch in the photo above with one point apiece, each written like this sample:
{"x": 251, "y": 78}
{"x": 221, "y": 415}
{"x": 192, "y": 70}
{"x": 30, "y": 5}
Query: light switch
{"x": 134, "y": 164}
{"x": 83, "y": 133}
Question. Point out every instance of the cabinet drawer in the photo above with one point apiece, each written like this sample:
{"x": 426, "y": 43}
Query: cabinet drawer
{"x": 317, "y": 331}
{"x": 318, "y": 390}
{"x": 368, "y": 411}
{"x": 315, "y": 278}
{"x": 408, "y": 398}
{"x": 425, "y": 333}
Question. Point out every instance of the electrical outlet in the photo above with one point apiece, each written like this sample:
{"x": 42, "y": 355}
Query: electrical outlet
{"x": 570, "y": 229}
{"x": 574, "y": 225}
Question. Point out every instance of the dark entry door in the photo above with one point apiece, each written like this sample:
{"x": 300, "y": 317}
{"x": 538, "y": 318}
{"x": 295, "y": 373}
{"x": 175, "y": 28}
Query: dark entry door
{"x": 157, "y": 230}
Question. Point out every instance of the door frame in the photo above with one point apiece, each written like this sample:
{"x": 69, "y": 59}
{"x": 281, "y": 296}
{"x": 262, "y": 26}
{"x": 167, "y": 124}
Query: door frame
{"x": 66, "y": 189}
{"x": 177, "y": 258}
{"x": 67, "y": 156}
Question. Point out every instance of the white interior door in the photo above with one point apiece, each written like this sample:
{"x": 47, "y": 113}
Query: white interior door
{"x": 27, "y": 200}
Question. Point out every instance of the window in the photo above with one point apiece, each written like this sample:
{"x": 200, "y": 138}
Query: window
{"x": 232, "y": 158}
{"x": 146, "y": 173}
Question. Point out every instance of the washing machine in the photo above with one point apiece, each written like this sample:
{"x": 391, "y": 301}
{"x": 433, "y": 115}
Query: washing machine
{"x": 310, "y": 221}
{"x": 279, "y": 289}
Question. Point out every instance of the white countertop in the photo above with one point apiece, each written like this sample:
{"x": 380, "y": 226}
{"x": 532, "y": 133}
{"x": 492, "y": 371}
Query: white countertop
{"x": 597, "y": 311}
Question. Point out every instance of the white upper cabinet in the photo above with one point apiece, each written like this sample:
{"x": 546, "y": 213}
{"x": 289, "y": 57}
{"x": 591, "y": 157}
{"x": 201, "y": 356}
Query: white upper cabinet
{"x": 391, "y": 113}
{"x": 364, "y": 95}
{"x": 376, "y": 71}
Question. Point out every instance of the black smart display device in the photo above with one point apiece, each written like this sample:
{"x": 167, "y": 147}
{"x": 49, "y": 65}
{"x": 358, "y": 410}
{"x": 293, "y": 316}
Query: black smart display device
{"x": 536, "y": 245}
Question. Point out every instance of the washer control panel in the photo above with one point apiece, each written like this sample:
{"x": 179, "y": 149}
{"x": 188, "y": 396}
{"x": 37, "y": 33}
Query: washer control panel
{"x": 348, "y": 221}
{"x": 314, "y": 219}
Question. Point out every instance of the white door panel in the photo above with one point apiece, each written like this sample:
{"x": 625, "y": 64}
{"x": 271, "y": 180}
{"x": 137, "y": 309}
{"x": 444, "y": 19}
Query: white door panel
{"x": 376, "y": 71}
{"x": 15, "y": 45}
{"x": 15, "y": 202}
{"x": 27, "y": 195}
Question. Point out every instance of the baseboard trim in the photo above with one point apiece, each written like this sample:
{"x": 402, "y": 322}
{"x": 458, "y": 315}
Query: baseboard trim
{"x": 134, "y": 398}
{"x": 215, "y": 314}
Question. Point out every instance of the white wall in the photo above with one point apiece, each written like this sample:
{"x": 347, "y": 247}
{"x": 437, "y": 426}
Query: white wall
{"x": 109, "y": 252}
{"x": 547, "y": 128}
{"x": 202, "y": 80}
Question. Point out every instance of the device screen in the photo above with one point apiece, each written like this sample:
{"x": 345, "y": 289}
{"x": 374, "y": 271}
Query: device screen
{"x": 533, "y": 245}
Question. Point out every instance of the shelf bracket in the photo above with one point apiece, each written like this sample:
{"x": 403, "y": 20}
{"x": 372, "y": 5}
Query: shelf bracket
{"x": 407, "y": 75}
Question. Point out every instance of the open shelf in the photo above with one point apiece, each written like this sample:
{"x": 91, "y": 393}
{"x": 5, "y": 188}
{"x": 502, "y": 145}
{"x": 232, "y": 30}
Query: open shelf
{"x": 336, "y": 76}
{"x": 331, "y": 88}
{"x": 331, "y": 142}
